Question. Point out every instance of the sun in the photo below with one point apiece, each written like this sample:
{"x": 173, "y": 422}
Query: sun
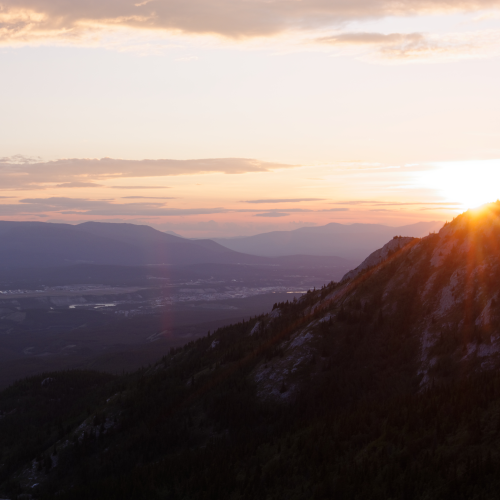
{"x": 470, "y": 183}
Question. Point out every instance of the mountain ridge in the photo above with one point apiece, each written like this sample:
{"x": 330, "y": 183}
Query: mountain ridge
{"x": 31, "y": 244}
{"x": 384, "y": 385}
{"x": 345, "y": 240}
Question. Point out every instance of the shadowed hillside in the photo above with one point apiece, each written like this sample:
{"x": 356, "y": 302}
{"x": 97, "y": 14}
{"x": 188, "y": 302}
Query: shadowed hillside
{"x": 384, "y": 385}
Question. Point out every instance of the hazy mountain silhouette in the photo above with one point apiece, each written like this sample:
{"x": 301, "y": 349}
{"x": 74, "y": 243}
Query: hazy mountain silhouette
{"x": 35, "y": 244}
{"x": 354, "y": 241}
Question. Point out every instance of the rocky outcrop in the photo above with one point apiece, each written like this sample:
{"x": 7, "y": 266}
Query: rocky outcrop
{"x": 431, "y": 303}
{"x": 396, "y": 244}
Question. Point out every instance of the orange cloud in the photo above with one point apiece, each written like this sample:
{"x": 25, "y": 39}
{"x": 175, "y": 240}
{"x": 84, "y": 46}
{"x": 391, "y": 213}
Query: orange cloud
{"x": 20, "y": 173}
{"x": 26, "y": 21}
{"x": 414, "y": 46}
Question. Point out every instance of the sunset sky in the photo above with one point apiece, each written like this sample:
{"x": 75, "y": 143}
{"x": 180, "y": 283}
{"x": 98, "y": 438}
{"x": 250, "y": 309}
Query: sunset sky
{"x": 232, "y": 117}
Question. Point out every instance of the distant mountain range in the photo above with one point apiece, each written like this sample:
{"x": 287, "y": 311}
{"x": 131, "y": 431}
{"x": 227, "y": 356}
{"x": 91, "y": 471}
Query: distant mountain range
{"x": 35, "y": 244}
{"x": 384, "y": 385}
{"x": 354, "y": 241}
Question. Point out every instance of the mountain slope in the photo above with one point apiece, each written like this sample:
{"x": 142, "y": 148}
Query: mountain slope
{"x": 437, "y": 298}
{"x": 384, "y": 385}
{"x": 380, "y": 255}
{"x": 157, "y": 247}
{"x": 354, "y": 241}
{"x": 42, "y": 244}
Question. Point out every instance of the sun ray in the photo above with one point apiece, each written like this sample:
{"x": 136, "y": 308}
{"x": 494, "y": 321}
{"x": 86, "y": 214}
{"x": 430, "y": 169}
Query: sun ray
{"x": 470, "y": 183}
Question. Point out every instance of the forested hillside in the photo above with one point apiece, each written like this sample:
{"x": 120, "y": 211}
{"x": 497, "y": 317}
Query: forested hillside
{"x": 384, "y": 385}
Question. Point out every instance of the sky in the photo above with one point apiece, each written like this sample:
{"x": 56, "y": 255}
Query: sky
{"x": 233, "y": 117}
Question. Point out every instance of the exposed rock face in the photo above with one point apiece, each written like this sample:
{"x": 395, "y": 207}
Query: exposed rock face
{"x": 433, "y": 301}
{"x": 396, "y": 244}
{"x": 47, "y": 381}
{"x": 276, "y": 378}
{"x": 255, "y": 329}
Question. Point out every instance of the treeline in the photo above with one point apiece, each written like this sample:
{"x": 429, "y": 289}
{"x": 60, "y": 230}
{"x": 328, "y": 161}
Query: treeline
{"x": 441, "y": 444}
{"x": 39, "y": 411}
{"x": 193, "y": 426}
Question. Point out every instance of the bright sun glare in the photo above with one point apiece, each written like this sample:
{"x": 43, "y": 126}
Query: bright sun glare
{"x": 470, "y": 183}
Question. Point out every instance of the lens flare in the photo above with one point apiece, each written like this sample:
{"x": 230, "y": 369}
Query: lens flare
{"x": 469, "y": 183}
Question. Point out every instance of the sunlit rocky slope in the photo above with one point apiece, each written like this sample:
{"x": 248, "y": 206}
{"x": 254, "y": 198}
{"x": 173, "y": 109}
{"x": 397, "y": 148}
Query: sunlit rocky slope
{"x": 436, "y": 297}
{"x": 384, "y": 385}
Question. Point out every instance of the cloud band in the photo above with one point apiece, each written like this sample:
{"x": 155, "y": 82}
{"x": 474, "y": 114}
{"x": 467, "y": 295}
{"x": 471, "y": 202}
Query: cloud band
{"x": 32, "y": 21}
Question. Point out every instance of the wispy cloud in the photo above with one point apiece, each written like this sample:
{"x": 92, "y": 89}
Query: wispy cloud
{"x": 148, "y": 198}
{"x": 272, "y": 214}
{"x": 139, "y": 187}
{"x": 283, "y": 200}
{"x": 20, "y": 159}
{"x": 356, "y": 202}
{"x": 147, "y": 208}
{"x": 362, "y": 38}
{"x": 335, "y": 210}
{"x": 417, "y": 46}
{"x": 76, "y": 184}
{"x": 88, "y": 207}
{"x": 22, "y": 173}
{"x": 401, "y": 204}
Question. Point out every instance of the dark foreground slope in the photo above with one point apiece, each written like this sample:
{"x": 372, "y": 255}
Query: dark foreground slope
{"x": 379, "y": 387}
{"x": 155, "y": 439}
